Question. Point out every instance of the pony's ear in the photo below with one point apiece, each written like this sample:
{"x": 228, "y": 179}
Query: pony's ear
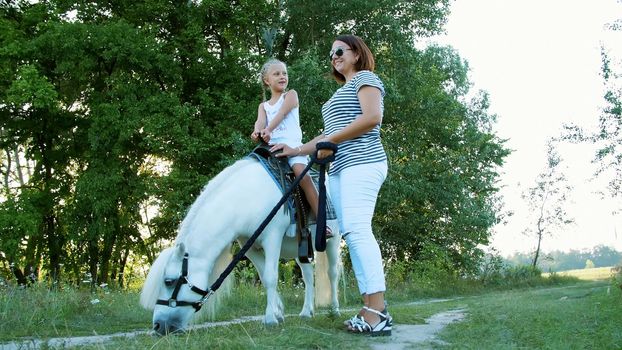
{"x": 181, "y": 249}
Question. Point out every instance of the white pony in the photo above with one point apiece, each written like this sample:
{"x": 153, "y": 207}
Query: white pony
{"x": 231, "y": 207}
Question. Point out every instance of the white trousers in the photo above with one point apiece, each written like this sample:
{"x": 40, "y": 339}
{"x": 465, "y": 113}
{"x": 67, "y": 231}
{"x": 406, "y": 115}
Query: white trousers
{"x": 354, "y": 191}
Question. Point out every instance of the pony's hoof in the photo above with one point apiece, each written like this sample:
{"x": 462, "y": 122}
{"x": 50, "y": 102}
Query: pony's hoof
{"x": 334, "y": 312}
{"x": 306, "y": 315}
{"x": 273, "y": 320}
{"x": 271, "y": 323}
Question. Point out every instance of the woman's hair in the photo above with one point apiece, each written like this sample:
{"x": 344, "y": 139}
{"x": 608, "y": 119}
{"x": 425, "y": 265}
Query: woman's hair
{"x": 358, "y": 46}
{"x": 264, "y": 70}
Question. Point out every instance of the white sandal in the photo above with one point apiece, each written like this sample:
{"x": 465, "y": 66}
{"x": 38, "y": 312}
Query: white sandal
{"x": 383, "y": 327}
{"x": 355, "y": 319}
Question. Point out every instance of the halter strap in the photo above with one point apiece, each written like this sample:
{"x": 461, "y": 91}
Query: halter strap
{"x": 183, "y": 279}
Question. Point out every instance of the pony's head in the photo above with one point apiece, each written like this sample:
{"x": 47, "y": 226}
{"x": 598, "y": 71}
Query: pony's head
{"x": 171, "y": 288}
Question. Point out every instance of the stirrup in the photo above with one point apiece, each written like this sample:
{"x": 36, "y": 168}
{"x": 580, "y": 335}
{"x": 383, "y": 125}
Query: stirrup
{"x": 382, "y": 328}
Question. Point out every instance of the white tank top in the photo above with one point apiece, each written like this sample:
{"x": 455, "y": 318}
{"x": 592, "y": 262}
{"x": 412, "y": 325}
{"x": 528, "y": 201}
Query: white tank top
{"x": 288, "y": 131}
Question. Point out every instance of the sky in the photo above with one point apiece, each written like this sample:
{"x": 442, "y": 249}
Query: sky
{"x": 540, "y": 60}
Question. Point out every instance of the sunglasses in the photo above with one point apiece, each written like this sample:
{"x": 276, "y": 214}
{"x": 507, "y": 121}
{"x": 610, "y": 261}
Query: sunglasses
{"x": 338, "y": 51}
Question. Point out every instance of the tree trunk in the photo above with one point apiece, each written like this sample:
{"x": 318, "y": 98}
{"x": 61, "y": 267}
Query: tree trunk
{"x": 106, "y": 253}
{"x": 8, "y": 170}
{"x": 537, "y": 254}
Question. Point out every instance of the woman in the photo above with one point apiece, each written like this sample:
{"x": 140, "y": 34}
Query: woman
{"x": 352, "y": 119}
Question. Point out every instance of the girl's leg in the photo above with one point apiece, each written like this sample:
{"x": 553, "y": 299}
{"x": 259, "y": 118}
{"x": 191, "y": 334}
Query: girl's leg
{"x": 310, "y": 192}
{"x": 307, "y": 186}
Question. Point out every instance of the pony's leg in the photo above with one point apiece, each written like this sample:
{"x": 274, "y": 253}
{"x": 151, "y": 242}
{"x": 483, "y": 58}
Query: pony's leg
{"x": 307, "y": 277}
{"x": 272, "y": 250}
{"x": 268, "y": 274}
{"x": 258, "y": 259}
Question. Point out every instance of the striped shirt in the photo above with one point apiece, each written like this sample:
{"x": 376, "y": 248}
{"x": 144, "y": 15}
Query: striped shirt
{"x": 343, "y": 108}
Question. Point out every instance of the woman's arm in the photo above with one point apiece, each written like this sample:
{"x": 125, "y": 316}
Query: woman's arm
{"x": 305, "y": 149}
{"x": 370, "y": 99}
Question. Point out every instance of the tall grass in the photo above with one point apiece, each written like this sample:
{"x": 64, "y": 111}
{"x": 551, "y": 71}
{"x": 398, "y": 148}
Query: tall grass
{"x": 584, "y": 316}
{"x": 39, "y": 312}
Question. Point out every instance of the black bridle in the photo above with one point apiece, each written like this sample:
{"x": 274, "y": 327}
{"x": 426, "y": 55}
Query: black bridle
{"x": 183, "y": 279}
{"x": 320, "y": 237}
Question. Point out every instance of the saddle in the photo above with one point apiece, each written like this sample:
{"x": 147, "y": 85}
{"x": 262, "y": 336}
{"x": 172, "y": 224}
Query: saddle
{"x": 297, "y": 205}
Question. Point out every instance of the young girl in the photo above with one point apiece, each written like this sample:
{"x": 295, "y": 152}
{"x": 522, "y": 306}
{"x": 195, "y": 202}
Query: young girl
{"x": 278, "y": 122}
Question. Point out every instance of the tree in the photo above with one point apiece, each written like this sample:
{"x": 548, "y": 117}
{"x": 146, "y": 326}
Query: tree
{"x": 608, "y": 136}
{"x": 546, "y": 201}
{"x": 111, "y": 108}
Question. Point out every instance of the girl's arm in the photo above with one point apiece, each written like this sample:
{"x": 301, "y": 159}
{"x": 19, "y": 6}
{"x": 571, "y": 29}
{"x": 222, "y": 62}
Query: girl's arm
{"x": 260, "y": 124}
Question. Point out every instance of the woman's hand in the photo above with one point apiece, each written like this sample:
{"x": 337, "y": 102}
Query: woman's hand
{"x": 286, "y": 151}
{"x": 255, "y": 136}
{"x": 324, "y": 153}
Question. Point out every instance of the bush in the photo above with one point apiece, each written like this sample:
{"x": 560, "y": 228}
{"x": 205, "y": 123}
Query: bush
{"x": 617, "y": 276}
{"x": 522, "y": 273}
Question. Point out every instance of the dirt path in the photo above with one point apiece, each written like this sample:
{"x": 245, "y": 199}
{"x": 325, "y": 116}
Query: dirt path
{"x": 407, "y": 335}
{"x": 403, "y": 334}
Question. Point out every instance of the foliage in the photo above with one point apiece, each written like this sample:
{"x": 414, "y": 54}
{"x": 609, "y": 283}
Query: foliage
{"x": 555, "y": 261}
{"x": 115, "y": 114}
{"x": 439, "y": 200}
{"x": 608, "y": 135}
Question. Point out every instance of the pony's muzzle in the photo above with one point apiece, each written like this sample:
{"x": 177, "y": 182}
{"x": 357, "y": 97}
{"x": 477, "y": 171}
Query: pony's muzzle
{"x": 165, "y": 328}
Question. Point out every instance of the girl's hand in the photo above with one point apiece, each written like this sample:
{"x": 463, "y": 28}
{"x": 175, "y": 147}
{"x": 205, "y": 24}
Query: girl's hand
{"x": 286, "y": 151}
{"x": 266, "y": 135}
{"x": 255, "y": 135}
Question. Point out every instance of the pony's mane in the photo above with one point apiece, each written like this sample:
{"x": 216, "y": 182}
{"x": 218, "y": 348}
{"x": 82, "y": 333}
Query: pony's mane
{"x": 212, "y": 186}
{"x": 153, "y": 282}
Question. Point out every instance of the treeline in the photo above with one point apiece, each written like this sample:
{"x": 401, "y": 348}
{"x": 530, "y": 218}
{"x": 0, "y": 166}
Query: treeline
{"x": 599, "y": 256}
{"x": 114, "y": 114}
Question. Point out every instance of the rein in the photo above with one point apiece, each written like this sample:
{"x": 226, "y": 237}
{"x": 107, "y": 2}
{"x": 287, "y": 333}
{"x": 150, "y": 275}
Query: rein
{"x": 320, "y": 236}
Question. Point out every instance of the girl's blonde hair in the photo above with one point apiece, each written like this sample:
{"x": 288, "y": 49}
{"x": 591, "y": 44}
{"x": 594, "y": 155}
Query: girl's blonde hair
{"x": 264, "y": 70}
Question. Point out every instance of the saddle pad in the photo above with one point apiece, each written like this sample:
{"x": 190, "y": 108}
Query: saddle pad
{"x": 283, "y": 182}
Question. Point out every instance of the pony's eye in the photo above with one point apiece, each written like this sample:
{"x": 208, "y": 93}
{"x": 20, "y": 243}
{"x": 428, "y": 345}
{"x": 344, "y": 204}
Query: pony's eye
{"x": 169, "y": 281}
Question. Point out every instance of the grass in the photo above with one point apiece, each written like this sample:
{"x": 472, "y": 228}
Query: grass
{"x": 38, "y": 312}
{"x": 597, "y": 273}
{"x": 582, "y": 316}
{"x": 550, "y": 313}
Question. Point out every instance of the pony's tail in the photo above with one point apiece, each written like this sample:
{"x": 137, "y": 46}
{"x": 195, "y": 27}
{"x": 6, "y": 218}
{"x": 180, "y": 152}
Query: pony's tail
{"x": 213, "y": 304}
{"x": 322, "y": 281}
{"x": 326, "y": 270}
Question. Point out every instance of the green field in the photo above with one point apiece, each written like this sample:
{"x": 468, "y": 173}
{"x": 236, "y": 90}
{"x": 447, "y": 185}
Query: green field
{"x": 544, "y": 313}
{"x": 593, "y": 274}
